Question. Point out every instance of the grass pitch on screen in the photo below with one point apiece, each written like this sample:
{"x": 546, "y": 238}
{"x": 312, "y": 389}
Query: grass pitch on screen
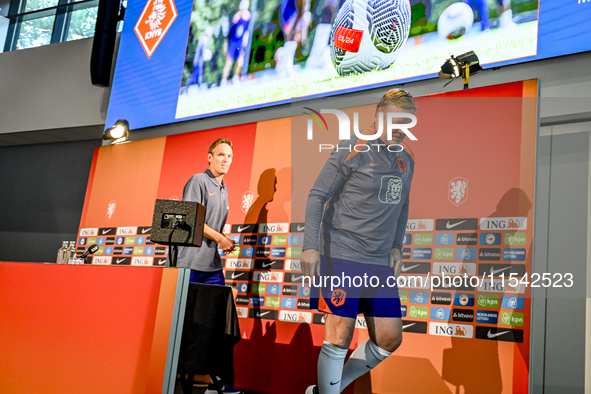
{"x": 412, "y": 62}
{"x": 258, "y": 81}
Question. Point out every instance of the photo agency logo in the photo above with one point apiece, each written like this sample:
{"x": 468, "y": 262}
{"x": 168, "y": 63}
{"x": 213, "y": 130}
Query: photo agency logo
{"x": 389, "y": 122}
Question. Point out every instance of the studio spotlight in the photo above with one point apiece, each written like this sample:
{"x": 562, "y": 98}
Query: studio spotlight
{"x": 119, "y": 132}
{"x": 464, "y": 65}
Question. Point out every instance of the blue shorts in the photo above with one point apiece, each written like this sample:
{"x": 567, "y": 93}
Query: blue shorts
{"x": 351, "y": 297}
{"x": 234, "y": 49}
{"x": 210, "y": 278}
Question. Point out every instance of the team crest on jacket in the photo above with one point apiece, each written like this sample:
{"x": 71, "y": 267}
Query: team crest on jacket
{"x": 390, "y": 190}
{"x": 401, "y": 164}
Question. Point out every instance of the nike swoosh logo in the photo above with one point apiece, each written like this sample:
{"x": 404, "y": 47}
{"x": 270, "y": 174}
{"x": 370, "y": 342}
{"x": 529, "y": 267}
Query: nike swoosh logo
{"x": 333, "y": 383}
{"x": 120, "y": 261}
{"x": 263, "y": 314}
{"x": 404, "y": 269}
{"x": 107, "y": 231}
{"x": 296, "y": 278}
{"x": 300, "y": 228}
{"x": 494, "y": 272}
{"x": 491, "y": 335}
{"x": 448, "y": 226}
{"x": 270, "y": 264}
{"x": 211, "y": 194}
{"x": 241, "y": 229}
{"x": 373, "y": 164}
{"x": 145, "y": 230}
{"x": 408, "y": 325}
{"x": 234, "y": 276}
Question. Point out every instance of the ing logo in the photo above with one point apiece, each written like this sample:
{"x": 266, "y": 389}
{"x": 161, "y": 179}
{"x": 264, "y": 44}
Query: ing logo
{"x": 513, "y": 223}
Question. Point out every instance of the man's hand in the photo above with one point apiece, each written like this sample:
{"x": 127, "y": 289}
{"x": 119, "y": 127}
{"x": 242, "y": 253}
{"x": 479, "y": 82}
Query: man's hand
{"x": 310, "y": 262}
{"x": 395, "y": 258}
{"x": 226, "y": 244}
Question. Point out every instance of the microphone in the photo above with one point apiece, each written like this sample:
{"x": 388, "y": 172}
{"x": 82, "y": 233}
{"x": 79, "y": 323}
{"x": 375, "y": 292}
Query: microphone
{"x": 91, "y": 249}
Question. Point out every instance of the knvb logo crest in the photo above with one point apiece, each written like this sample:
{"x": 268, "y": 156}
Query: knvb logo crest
{"x": 154, "y": 22}
{"x": 111, "y": 209}
{"x": 247, "y": 200}
{"x": 458, "y": 191}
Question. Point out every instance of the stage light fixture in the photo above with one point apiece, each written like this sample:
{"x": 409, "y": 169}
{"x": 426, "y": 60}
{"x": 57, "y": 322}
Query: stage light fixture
{"x": 464, "y": 65}
{"x": 119, "y": 132}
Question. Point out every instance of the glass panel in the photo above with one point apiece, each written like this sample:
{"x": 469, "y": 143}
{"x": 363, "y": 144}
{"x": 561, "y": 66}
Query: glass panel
{"x": 33, "y": 5}
{"x": 4, "y": 6}
{"x": 35, "y": 32}
{"x": 82, "y": 23}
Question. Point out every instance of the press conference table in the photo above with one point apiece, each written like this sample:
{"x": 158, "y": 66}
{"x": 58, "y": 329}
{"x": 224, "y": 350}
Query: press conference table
{"x": 98, "y": 329}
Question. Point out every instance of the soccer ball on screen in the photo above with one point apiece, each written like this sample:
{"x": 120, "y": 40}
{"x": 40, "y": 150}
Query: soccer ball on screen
{"x": 455, "y": 21}
{"x": 368, "y": 34}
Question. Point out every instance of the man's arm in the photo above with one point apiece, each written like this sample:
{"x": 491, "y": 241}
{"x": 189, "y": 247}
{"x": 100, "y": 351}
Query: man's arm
{"x": 336, "y": 170}
{"x": 225, "y": 243}
{"x": 395, "y": 255}
{"x": 401, "y": 225}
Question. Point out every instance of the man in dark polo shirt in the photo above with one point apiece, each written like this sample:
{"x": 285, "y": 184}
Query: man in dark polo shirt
{"x": 209, "y": 189}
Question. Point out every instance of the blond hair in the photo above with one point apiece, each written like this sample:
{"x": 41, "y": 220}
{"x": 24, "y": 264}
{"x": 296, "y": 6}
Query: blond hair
{"x": 219, "y": 141}
{"x": 398, "y": 97}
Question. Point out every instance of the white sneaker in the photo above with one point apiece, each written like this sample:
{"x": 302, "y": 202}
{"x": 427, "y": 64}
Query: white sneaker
{"x": 506, "y": 21}
{"x": 225, "y": 388}
{"x": 312, "y": 389}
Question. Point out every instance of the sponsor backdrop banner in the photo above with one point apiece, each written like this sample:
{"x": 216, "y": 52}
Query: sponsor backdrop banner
{"x": 470, "y": 213}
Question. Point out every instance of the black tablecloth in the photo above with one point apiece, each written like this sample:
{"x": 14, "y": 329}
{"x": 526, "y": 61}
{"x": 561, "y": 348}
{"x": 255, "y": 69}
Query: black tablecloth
{"x": 210, "y": 331}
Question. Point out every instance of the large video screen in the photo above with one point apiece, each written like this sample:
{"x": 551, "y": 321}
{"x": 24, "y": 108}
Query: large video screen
{"x": 243, "y": 53}
{"x": 186, "y": 59}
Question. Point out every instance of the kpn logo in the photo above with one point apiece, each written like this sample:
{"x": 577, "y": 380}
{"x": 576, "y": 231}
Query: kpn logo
{"x": 389, "y": 123}
{"x": 423, "y": 239}
{"x": 418, "y": 312}
{"x": 512, "y": 319}
{"x": 515, "y": 239}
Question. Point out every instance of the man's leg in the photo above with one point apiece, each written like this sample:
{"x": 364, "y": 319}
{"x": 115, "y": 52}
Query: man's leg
{"x": 338, "y": 332}
{"x": 227, "y": 67}
{"x": 341, "y": 305}
{"x": 192, "y": 80}
{"x": 385, "y": 335}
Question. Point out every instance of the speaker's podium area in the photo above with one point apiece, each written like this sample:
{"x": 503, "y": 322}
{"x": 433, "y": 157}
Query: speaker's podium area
{"x": 105, "y": 329}
{"x": 88, "y": 328}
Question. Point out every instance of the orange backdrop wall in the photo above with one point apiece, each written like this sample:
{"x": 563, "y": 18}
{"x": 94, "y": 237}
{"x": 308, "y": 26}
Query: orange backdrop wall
{"x": 484, "y": 136}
